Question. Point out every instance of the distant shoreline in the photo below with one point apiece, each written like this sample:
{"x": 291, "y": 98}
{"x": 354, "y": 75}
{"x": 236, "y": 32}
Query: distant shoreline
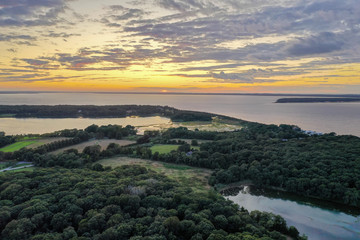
{"x": 190, "y": 93}
{"x": 316, "y": 100}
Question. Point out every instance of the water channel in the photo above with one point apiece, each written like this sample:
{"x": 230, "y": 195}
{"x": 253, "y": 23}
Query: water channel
{"x": 319, "y": 220}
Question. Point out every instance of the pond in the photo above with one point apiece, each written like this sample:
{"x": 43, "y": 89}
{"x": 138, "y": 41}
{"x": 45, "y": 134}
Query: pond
{"x": 319, "y": 220}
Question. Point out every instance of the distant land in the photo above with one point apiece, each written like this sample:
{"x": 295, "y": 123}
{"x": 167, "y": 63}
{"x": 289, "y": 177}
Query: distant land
{"x": 191, "y": 93}
{"x": 315, "y": 100}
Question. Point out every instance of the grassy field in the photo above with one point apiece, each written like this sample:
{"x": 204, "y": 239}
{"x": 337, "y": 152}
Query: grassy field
{"x": 28, "y": 138}
{"x": 2, "y": 165}
{"x": 176, "y": 166}
{"x": 42, "y": 141}
{"x": 30, "y": 142}
{"x": 216, "y": 126}
{"x": 16, "y": 146}
{"x": 163, "y": 148}
{"x": 7, "y": 115}
{"x": 166, "y": 148}
{"x": 196, "y": 178}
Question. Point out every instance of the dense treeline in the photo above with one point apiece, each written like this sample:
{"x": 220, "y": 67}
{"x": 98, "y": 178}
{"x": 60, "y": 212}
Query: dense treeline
{"x": 110, "y": 131}
{"x": 73, "y": 159}
{"x": 326, "y": 167}
{"x": 6, "y": 140}
{"x": 188, "y": 116}
{"x": 182, "y": 132}
{"x": 112, "y": 111}
{"x": 95, "y": 131}
{"x": 250, "y": 130}
{"x": 125, "y": 203}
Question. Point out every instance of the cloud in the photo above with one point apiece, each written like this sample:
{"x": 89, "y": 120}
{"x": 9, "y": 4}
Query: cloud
{"x": 325, "y": 42}
{"x": 27, "y": 43}
{"x": 101, "y": 59}
{"x": 53, "y": 34}
{"x": 129, "y": 14}
{"x": 249, "y": 76}
{"x": 246, "y": 77}
{"x": 223, "y": 34}
{"x": 255, "y": 75}
{"x": 30, "y": 12}
{"x": 230, "y": 66}
{"x": 12, "y": 50}
{"x": 35, "y": 62}
{"x": 117, "y": 14}
{"x": 28, "y": 76}
{"x": 32, "y": 77}
{"x": 195, "y": 37}
{"x": 181, "y": 5}
{"x": 10, "y": 37}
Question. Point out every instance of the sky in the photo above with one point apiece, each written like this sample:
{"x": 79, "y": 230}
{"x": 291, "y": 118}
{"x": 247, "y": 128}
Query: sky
{"x": 227, "y": 46}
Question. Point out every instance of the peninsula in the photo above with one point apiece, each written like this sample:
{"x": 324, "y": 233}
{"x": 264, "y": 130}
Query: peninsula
{"x": 316, "y": 100}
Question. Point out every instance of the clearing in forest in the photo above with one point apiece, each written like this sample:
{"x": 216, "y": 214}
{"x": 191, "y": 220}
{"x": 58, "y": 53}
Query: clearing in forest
{"x": 196, "y": 178}
{"x": 30, "y": 142}
{"x": 164, "y": 148}
{"x": 17, "y": 146}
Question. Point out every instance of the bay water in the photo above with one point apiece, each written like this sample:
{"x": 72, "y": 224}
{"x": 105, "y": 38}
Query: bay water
{"x": 319, "y": 220}
{"x": 341, "y": 118}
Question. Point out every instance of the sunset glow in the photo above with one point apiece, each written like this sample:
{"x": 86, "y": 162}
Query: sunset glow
{"x": 180, "y": 46}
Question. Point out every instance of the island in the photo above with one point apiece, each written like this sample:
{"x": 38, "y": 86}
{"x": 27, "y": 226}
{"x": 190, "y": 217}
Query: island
{"x": 317, "y": 100}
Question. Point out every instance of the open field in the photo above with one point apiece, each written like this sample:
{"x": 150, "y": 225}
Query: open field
{"x": 167, "y": 148}
{"x": 102, "y": 142}
{"x": 164, "y": 148}
{"x": 2, "y": 165}
{"x": 28, "y": 138}
{"x": 7, "y": 115}
{"x": 217, "y": 125}
{"x": 42, "y": 141}
{"x": 32, "y": 142}
{"x": 196, "y": 178}
{"x": 16, "y": 146}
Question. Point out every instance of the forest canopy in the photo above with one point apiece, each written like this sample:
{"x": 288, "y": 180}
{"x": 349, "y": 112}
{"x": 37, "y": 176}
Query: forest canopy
{"x": 128, "y": 202}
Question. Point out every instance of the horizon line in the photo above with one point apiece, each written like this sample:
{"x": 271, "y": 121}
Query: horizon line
{"x": 184, "y": 93}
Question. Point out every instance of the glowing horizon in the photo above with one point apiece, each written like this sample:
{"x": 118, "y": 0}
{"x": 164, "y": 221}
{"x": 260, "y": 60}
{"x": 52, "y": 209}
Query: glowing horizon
{"x": 181, "y": 46}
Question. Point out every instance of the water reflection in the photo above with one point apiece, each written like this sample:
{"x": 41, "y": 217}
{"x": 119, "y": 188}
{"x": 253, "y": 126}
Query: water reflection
{"x": 317, "y": 222}
{"x": 342, "y": 118}
{"x": 13, "y": 126}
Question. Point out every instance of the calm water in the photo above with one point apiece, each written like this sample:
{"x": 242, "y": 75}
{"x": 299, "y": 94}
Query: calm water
{"x": 316, "y": 222}
{"x": 13, "y": 126}
{"x": 342, "y": 118}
